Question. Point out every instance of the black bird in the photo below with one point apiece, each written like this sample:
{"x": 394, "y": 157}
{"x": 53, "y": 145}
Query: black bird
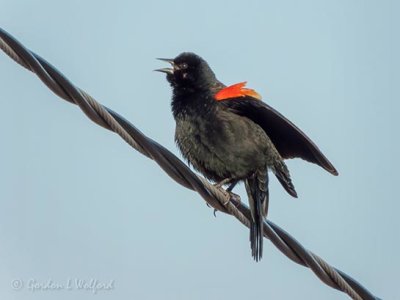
{"x": 228, "y": 134}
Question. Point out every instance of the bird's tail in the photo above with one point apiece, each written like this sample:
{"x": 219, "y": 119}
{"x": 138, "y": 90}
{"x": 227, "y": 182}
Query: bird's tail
{"x": 257, "y": 192}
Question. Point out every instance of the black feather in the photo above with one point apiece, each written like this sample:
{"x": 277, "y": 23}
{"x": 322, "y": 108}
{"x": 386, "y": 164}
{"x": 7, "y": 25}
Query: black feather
{"x": 288, "y": 139}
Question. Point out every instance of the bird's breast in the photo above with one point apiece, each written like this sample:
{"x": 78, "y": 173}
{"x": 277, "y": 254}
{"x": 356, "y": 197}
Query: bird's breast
{"x": 221, "y": 145}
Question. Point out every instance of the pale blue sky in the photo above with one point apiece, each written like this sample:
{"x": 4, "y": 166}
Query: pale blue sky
{"x": 77, "y": 202}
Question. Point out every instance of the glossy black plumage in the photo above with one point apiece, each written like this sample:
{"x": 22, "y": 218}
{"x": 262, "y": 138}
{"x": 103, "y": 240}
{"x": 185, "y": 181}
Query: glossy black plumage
{"x": 288, "y": 139}
{"x": 235, "y": 139}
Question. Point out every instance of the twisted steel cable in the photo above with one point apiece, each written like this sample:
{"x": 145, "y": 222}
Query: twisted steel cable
{"x": 176, "y": 169}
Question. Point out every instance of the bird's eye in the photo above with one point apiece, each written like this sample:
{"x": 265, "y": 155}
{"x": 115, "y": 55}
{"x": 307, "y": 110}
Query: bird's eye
{"x": 184, "y": 66}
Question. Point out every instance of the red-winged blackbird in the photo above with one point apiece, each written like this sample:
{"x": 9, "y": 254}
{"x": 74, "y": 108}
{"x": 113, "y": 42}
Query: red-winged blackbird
{"x": 229, "y": 135}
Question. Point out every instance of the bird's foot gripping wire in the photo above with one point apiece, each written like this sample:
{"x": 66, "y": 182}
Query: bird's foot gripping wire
{"x": 229, "y": 195}
{"x": 233, "y": 183}
{"x": 219, "y": 185}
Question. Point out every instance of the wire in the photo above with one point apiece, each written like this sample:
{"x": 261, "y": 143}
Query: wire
{"x": 175, "y": 168}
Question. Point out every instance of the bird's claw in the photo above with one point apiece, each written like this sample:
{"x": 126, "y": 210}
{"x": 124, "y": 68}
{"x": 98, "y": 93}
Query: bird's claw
{"x": 228, "y": 194}
{"x": 231, "y": 196}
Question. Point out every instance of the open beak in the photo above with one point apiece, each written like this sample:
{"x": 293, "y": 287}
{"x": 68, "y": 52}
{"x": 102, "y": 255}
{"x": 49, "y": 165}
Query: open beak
{"x": 167, "y": 70}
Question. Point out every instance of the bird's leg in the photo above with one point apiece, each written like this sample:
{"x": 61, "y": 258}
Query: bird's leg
{"x": 230, "y": 188}
{"x": 233, "y": 195}
{"x": 219, "y": 185}
{"x": 228, "y": 191}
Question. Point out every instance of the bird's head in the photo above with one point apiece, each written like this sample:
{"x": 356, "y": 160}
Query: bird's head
{"x": 188, "y": 70}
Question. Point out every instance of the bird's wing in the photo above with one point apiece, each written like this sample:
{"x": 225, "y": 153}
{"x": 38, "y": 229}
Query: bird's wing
{"x": 288, "y": 139}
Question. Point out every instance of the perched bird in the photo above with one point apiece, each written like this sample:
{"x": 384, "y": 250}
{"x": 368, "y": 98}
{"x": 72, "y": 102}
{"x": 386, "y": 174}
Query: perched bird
{"x": 229, "y": 135}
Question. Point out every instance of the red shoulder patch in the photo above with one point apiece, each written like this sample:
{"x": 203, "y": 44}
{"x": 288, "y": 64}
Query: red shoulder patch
{"x": 235, "y": 91}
